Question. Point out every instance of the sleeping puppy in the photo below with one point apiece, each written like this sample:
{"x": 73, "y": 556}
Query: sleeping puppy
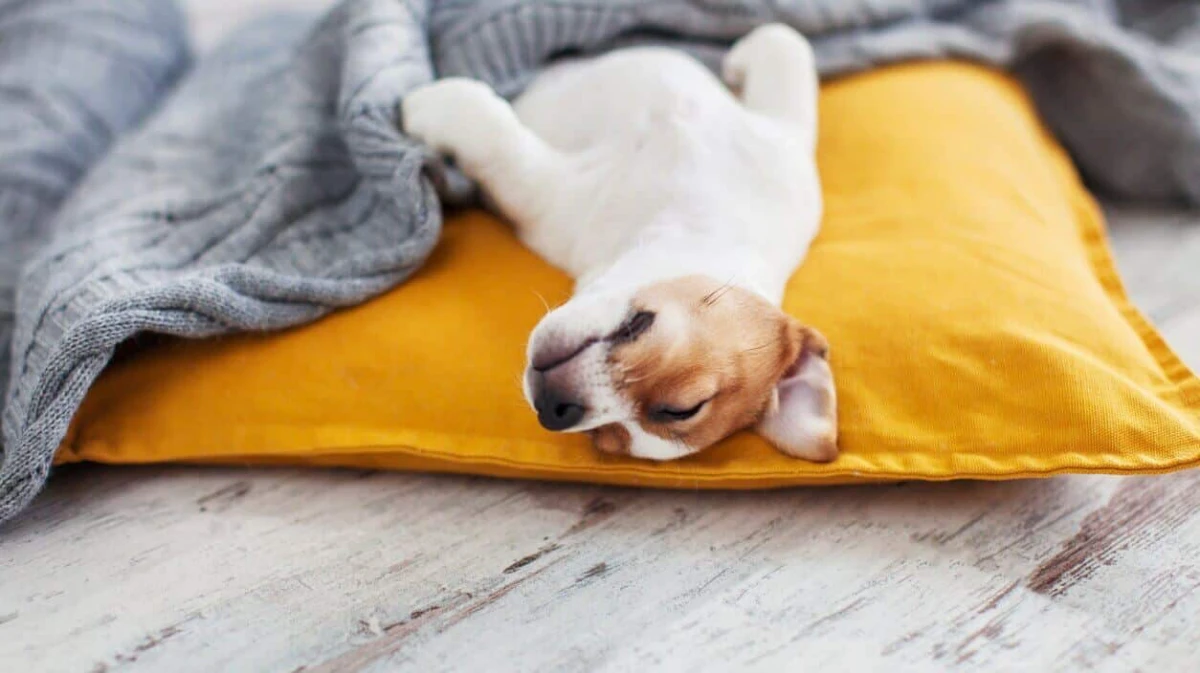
{"x": 681, "y": 206}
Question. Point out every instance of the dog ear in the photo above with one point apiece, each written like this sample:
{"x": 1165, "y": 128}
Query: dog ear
{"x": 801, "y": 419}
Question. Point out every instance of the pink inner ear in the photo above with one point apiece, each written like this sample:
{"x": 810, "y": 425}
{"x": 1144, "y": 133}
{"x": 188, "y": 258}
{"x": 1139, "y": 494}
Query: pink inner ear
{"x": 804, "y": 422}
{"x": 813, "y": 346}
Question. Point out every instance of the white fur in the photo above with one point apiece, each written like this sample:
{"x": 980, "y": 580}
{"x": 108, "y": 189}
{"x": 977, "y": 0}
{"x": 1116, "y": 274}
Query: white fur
{"x": 640, "y": 166}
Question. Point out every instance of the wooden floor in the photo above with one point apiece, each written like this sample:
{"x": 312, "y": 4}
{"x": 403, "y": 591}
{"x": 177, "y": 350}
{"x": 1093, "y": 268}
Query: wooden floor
{"x": 192, "y": 569}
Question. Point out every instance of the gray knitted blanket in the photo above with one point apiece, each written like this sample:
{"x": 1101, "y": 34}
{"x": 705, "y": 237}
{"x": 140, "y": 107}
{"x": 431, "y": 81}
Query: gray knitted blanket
{"x": 269, "y": 185}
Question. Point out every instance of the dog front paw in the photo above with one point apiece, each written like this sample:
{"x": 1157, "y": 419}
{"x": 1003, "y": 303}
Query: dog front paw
{"x": 453, "y": 116}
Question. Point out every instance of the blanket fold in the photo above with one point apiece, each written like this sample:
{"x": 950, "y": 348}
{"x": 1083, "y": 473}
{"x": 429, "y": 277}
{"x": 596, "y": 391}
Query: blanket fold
{"x": 73, "y": 76}
{"x": 272, "y": 185}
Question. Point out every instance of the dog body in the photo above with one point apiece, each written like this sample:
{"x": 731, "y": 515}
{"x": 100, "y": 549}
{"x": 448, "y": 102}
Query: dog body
{"x": 681, "y": 206}
{"x": 665, "y": 175}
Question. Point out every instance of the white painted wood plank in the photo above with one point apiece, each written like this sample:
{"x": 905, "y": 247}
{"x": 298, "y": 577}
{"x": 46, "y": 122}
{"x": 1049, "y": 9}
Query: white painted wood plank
{"x": 270, "y": 570}
{"x": 1158, "y": 252}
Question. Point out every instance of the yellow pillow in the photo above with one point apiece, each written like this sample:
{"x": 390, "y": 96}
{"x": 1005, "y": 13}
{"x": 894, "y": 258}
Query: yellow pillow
{"x": 978, "y": 330}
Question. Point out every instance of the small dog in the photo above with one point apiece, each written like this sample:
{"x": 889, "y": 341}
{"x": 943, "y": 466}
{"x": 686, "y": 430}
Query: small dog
{"x": 681, "y": 206}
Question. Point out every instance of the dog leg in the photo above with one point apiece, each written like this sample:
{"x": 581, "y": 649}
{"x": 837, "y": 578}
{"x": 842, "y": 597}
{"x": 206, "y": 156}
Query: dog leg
{"x": 465, "y": 119}
{"x": 773, "y": 70}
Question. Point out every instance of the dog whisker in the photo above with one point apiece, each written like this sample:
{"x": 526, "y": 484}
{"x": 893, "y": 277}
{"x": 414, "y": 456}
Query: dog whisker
{"x": 713, "y": 297}
{"x": 543, "y": 299}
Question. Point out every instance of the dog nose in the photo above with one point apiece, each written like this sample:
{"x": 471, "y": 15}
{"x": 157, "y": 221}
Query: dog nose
{"x": 556, "y": 411}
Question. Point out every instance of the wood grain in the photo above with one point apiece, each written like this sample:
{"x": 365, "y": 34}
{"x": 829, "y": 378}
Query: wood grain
{"x": 139, "y": 569}
{"x": 190, "y": 569}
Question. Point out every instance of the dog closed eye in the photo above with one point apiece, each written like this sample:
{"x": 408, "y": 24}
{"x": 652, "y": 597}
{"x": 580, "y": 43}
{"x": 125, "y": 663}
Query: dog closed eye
{"x": 667, "y": 414}
{"x": 633, "y": 328}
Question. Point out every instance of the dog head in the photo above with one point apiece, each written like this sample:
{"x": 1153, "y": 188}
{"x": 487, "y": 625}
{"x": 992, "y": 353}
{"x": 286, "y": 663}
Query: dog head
{"x": 676, "y": 366}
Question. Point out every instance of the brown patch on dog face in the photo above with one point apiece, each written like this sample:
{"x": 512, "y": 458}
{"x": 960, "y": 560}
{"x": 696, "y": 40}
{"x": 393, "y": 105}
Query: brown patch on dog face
{"x": 612, "y": 438}
{"x": 709, "y": 364}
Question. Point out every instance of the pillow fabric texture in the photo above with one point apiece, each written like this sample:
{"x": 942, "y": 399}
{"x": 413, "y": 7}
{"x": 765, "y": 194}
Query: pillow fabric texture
{"x": 978, "y": 330}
